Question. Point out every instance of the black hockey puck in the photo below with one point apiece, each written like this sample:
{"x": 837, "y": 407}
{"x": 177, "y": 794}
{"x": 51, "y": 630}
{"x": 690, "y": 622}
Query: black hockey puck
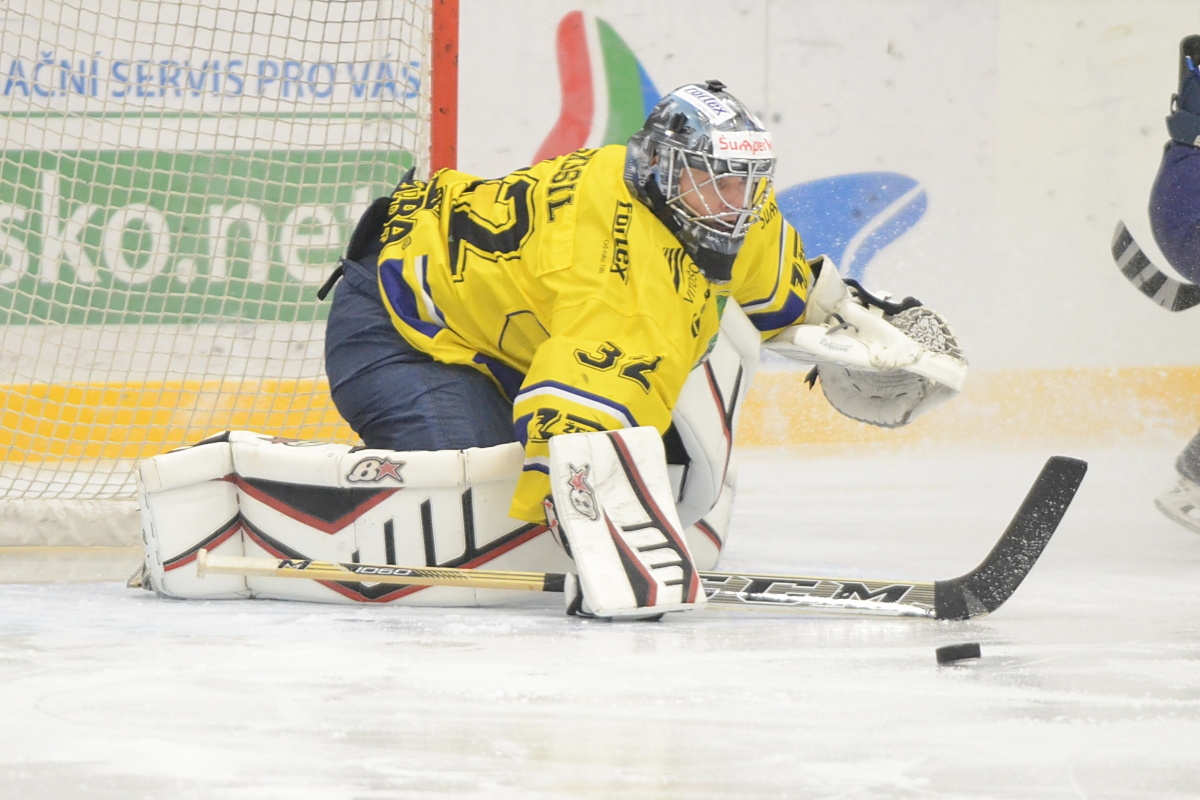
{"x": 957, "y": 652}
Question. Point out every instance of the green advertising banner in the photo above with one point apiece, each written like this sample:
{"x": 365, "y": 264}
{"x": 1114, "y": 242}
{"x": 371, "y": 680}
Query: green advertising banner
{"x": 152, "y": 237}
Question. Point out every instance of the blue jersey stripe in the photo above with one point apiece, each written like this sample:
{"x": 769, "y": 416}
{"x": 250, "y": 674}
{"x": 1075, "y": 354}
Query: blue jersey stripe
{"x": 749, "y": 305}
{"x": 402, "y": 298}
{"x": 521, "y": 424}
{"x": 595, "y": 401}
{"x": 774, "y": 320}
{"x": 510, "y": 380}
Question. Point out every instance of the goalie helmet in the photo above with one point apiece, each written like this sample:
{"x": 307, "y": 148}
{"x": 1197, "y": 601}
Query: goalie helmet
{"x": 704, "y": 164}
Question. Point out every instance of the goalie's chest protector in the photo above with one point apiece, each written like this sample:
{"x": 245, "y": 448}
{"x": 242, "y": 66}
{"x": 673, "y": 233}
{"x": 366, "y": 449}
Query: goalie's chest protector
{"x": 483, "y": 273}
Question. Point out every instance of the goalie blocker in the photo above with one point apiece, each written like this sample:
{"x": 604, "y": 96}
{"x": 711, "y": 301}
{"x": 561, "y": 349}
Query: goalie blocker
{"x": 249, "y": 494}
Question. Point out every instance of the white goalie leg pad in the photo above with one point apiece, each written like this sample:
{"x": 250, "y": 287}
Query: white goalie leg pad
{"x": 188, "y": 501}
{"x": 257, "y": 495}
{"x": 331, "y": 502}
{"x": 707, "y": 412}
{"x": 299, "y": 499}
{"x": 708, "y": 536}
{"x": 613, "y": 507}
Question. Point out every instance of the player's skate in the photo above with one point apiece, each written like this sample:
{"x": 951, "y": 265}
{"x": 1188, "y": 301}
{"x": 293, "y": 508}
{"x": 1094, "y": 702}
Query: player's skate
{"x": 1182, "y": 504}
{"x": 1184, "y": 120}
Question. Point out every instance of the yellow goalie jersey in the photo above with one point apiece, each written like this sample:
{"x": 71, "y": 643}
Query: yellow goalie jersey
{"x": 583, "y": 308}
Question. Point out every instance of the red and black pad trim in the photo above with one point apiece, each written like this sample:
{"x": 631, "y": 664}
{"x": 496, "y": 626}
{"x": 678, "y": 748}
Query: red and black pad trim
{"x": 727, "y": 408}
{"x": 709, "y": 532}
{"x": 645, "y": 589}
{"x": 674, "y": 537}
{"x": 210, "y": 542}
{"x": 355, "y": 590}
{"x": 326, "y": 508}
{"x": 384, "y": 593}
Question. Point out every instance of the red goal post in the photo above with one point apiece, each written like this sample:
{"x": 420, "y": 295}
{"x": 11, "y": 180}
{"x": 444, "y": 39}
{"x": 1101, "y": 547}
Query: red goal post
{"x": 177, "y": 178}
{"x": 443, "y": 144}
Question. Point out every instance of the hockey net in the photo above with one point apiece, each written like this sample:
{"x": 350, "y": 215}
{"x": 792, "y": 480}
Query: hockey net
{"x": 178, "y": 178}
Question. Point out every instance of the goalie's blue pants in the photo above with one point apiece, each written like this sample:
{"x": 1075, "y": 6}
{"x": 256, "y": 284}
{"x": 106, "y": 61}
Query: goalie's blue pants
{"x": 1175, "y": 209}
{"x": 394, "y": 396}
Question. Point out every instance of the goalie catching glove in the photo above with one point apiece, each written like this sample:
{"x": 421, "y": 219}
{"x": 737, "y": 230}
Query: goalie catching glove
{"x": 880, "y": 362}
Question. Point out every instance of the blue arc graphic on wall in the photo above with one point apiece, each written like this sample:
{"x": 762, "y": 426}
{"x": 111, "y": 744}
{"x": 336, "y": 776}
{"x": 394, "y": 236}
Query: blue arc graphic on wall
{"x": 852, "y": 217}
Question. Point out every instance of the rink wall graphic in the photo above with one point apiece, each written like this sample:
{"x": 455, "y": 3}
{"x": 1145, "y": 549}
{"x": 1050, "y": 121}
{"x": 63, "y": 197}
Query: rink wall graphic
{"x": 1015, "y": 407}
{"x": 151, "y": 236}
{"x": 187, "y": 74}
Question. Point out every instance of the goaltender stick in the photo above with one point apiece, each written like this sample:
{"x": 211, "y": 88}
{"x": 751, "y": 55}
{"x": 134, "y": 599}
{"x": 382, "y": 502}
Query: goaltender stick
{"x": 601, "y": 314}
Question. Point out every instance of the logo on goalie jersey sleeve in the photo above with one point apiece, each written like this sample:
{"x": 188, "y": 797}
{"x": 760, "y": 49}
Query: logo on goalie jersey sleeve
{"x": 622, "y": 219}
{"x": 547, "y": 422}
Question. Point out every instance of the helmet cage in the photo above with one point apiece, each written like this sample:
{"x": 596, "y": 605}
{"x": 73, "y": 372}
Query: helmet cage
{"x": 704, "y": 164}
{"x": 721, "y": 196}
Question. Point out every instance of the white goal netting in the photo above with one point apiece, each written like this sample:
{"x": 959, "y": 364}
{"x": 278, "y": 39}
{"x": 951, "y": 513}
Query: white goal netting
{"x": 176, "y": 182}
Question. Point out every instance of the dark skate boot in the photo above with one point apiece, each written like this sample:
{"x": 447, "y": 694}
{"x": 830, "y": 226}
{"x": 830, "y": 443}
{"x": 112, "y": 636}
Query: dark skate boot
{"x": 1184, "y": 122}
{"x": 1182, "y": 503}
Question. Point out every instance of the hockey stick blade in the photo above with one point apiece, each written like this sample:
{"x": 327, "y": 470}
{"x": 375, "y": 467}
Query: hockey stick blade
{"x": 1169, "y": 293}
{"x": 974, "y": 594}
{"x": 985, "y": 588}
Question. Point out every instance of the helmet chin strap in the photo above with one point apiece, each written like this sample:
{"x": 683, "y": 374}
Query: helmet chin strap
{"x": 717, "y": 267}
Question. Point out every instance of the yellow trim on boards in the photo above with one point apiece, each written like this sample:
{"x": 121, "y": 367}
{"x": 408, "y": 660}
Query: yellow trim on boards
{"x": 996, "y": 407}
{"x": 133, "y": 421}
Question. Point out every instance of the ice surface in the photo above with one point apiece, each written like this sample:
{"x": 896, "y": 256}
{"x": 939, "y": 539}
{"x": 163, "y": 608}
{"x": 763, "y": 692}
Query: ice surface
{"x": 1089, "y": 684}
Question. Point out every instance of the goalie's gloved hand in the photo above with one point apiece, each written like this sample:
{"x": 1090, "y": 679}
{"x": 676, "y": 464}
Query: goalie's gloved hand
{"x": 879, "y": 361}
{"x": 893, "y": 398}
